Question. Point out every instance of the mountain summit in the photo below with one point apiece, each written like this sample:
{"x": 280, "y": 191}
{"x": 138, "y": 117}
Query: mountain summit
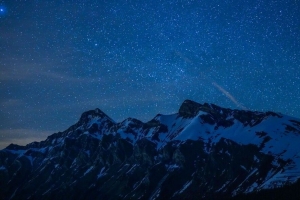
{"x": 203, "y": 151}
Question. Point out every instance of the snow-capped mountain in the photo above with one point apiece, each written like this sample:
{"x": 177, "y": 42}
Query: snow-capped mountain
{"x": 203, "y": 151}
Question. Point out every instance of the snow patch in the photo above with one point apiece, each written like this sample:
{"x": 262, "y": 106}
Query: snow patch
{"x": 223, "y": 186}
{"x": 88, "y": 170}
{"x": 185, "y": 186}
{"x": 101, "y": 173}
{"x": 133, "y": 166}
{"x": 172, "y": 167}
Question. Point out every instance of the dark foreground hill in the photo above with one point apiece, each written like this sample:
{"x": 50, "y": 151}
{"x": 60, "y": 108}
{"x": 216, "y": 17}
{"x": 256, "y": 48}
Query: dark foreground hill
{"x": 203, "y": 151}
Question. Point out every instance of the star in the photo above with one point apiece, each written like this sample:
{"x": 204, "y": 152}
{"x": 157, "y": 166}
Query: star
{"x": 2, "y": 10}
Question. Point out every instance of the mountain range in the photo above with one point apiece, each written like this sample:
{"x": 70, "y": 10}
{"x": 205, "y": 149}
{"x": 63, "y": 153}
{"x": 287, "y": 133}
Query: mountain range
{"x": 202, "y": 152}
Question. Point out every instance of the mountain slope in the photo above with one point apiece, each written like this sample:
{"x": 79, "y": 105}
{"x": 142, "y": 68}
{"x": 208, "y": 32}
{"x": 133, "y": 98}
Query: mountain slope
{"x": 203, "y": 151}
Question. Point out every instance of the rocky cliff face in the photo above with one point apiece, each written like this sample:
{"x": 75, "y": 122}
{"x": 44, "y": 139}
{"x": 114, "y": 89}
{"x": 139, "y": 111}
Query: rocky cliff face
{"x": 203, "y": 151}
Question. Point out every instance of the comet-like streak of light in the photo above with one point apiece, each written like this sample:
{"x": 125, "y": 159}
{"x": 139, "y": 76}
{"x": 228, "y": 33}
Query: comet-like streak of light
{"x": 225, "y": 92}
{"x": 229, "y": 96}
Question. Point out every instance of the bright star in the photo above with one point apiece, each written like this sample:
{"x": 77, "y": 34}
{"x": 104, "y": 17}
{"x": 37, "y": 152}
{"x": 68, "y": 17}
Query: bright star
{"x": 2, "y": 10}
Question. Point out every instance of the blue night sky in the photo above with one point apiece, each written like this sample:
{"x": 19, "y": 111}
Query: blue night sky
{"x": 138, "y": 58}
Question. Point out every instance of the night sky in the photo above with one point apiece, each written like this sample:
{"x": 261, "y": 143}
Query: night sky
{"x": 139, "y": 58}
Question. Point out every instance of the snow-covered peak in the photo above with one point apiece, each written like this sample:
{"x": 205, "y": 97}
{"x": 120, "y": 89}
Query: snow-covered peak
{"x": 244, "y": 150}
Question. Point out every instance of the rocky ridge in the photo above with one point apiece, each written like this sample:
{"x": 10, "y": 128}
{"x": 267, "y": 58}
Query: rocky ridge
{"x": 203, "y": 151}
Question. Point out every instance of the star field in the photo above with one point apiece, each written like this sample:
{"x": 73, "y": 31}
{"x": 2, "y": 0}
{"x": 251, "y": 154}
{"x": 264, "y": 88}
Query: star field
{"x": 140, "y": 58}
